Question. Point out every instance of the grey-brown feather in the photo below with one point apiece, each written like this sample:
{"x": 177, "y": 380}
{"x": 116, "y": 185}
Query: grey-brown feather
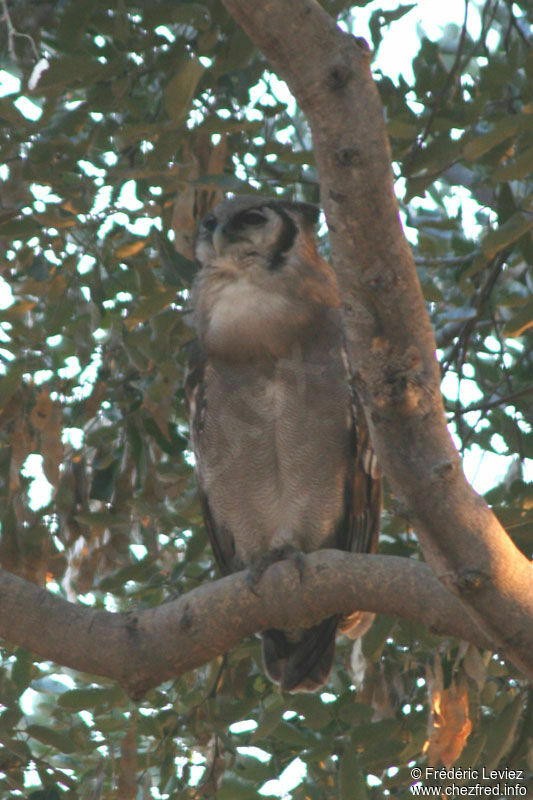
{"x": 282, "y": 453}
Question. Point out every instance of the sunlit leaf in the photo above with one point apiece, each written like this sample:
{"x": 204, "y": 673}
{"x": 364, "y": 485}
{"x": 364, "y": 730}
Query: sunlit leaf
{"x": 130, "y": 249}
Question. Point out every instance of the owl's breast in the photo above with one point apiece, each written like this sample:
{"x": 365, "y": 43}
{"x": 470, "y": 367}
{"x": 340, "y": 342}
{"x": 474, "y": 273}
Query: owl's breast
{"x": 247, "y": 318}
{"x": 245, "y": 311}
{"x": 275, "y": 451}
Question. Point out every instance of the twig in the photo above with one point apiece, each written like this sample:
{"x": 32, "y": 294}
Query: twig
{"x": 460, "y": 347}
{"x": 12, "y": 33}
{"x": 507, "y": 400}
{"x": 514, "y": 24}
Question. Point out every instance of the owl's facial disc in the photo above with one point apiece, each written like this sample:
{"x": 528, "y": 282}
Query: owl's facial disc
{"x": 258, "y": 232}
{"x": 249, "y": 231}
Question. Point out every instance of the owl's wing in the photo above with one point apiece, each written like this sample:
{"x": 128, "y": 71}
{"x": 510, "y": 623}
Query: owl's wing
{"x": 196, "y": 376}
{"x": 367, "y": 494}
{"x": 358, "y": 530}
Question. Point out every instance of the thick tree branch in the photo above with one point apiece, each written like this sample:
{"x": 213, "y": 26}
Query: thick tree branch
{"x": 145, "y": 647}
{"x": 390, "y": 337}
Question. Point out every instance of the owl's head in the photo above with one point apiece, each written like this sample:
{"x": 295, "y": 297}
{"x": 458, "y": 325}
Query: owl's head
{"x": 255, "y": 230}
{"x": 262, "y": 284}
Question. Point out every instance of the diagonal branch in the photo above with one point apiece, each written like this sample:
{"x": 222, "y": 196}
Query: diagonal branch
{"x": 145, "y": 647}
{"x": 389, "y": 334}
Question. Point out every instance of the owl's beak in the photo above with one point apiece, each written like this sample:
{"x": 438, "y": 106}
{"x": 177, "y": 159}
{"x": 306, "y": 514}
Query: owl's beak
{"x": 218, "y": 240}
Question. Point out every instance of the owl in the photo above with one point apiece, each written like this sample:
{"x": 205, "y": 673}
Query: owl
{"x": 284, "y": 465}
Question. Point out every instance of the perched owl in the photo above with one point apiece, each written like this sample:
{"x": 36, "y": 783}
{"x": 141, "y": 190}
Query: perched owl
{"x": 283, "y": 460}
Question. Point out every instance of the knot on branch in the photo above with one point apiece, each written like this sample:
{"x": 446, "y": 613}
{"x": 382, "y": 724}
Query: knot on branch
{"x": 470, "y": 579}
{"x": 347, "y": 156}
{"x": 132, "y": 624}
{"x": 401, "y": 384}
{"x": 187, "y": 618}
{"x": 339, "y": 198}
{"x": 362, "y": 45}
{"x": 443, "y": 470}
{"x": 339, "y": 74}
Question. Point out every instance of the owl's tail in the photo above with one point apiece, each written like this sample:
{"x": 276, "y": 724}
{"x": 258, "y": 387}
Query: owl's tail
{"x": 300, "y": 663}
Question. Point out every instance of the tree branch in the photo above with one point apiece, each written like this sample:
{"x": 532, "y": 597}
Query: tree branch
{"x": 389, "y": 334}
{"x": 506, "y": 400}
{"x": 145, "y": 647}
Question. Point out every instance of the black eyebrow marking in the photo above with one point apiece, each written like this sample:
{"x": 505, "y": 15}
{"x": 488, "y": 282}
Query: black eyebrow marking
{"x": 286, "y": 240}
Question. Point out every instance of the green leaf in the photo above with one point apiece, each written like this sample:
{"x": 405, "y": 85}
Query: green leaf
{"x": 10, "y": 382}
{"x": 140, "y": 571}
{"x": 73, "y": 19}
{"x": 515, "y": 170}
{"x": 431, "y": 291}
{"x": 103, "y": 519}
{"x": 234, "y": 788}
{"x": 374, "y": 640}
{"x": 293, "y": 734}
{"x": 79, "y": 699}
{"x": 179, "y": 271}
{"x": 252, "y": 769}
{"x": 521, "y": 321}
{"x": 24, "y": 227}
{"x": 173, "y": 446}
{"x": 50, "y": 793}
{"x": 501, "y": 733}
{"x": 9, "y": 718}
{"x": 194, "y": 14}
{"x": 352, "y": 781}
{"x": 380, "y": 19}
{"x": 515, "y": 227}
{"x": 317, "y": 713}
{"x": 52, "y": 737}
{"x": 181, "y": 87}
{"x": 401, "y": 129}
{"x": 150, "y": 306}
{"x": 22, "y": 670}
{"x": 270, "y": 718}
{"x": 103, "y": 482}
{"x": 10, "y": 114}
{"x": 472, "y": 753}
{"x": 479, "y": 145}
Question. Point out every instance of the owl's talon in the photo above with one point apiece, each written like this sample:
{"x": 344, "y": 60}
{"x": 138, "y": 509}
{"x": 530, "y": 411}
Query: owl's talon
{"x": 260, "y": 566}
{"x": 252, "y": 579}
{"x": 298, "y": 560}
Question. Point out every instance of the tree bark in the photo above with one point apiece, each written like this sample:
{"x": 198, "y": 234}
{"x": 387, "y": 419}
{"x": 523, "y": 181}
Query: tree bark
{"x": 392, "y": 348}
{"x": 141, "y": 649}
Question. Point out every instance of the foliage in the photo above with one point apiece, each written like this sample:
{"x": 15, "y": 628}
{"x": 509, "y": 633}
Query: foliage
{"x": 143, "y": 117}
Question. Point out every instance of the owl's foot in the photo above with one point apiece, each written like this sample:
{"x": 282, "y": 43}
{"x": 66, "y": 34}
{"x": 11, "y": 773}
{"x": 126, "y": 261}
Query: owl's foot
{"x": 259, "y": 567}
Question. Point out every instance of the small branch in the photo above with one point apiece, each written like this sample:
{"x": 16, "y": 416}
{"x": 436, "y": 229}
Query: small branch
{"x": 514, "y": 24}
{"x": 448, "y": 261}
{"x": 460, "y": 348}
{"x": 145, "y": 647}
{"x": 451, "y": 330}
{"x": 12, "y": 33}
{"x": 500, "y": 401}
